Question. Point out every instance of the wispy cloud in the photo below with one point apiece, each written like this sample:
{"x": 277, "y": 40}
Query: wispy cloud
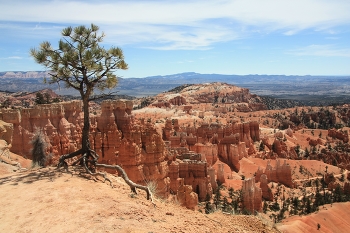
{"x": 15, "y": 57}
{"x": 327, "y": 50}
{"x": 179, "y": 24}
{"x": 11, "y": 58}
{"x": 332, "y": 38}
{"x": 183, "y": 62}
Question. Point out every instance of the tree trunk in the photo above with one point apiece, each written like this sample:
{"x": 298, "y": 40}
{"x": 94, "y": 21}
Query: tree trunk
{"x": 87, "y": 152}
{"x": 85, "y": 142}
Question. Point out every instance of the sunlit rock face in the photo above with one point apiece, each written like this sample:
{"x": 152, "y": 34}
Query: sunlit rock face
{"x": 266, "y": 191}
{"x": 186, "y": 196}
{"x": 115, "y": 135}
{"x": 252, "y": 194}
{"x": 61, "y": 123}
{"x": 6, "y": 132}
{"x": 229, "y": 143}
{"x": 338, "y": 134}
{"x": 279, "y": 174}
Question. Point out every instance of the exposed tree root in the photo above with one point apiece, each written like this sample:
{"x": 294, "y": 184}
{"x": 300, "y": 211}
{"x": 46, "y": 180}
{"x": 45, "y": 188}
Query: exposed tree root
{"x": 90, "y": 167}
{"x": 132, "y": 185}
{"x": 95, "y": 173}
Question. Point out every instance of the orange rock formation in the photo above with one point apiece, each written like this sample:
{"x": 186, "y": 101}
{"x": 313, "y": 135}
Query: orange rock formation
{"x": 251, "y": 196}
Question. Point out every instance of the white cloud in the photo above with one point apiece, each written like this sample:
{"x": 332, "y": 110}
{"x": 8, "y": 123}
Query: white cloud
{"x": 15, "y": 57}
{"x": 332, "y": 38}
{"x": 182, "y": 24}
{"x": 12, "y": 58}
{"x": 327, "y": 50}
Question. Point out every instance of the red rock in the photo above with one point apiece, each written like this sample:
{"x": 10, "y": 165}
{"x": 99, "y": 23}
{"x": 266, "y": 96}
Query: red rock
{"x": 186, "y": 197}
{"x": 265, "y": 189}
{"x": 313, "y": 142}
{"x": 195, "y": 174}
{"x": 210, "y": 151}
{"x": 289, "y": 132}
{"x": 6, "y": 132}
{"x": 211, "y": 172}
{"x": 178, "y": 100}
{"x": 252, "y": 200}
{"x": 341, "y": 135}
{"x": 254, "y": 131}
{"x": 280, "y": 174}
{"x": 221, "y": 173}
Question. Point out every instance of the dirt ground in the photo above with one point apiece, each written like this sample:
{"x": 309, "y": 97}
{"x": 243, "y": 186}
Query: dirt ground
{"x": 48, "y": 200}
{"x": 331, "y": 218}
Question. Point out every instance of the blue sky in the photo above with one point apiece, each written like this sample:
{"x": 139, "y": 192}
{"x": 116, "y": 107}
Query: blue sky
{"x": 291, "y": 37}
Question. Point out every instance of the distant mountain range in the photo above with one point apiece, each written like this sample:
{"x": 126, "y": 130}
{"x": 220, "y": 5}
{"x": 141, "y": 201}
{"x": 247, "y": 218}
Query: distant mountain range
{"x": 325, "y": 89}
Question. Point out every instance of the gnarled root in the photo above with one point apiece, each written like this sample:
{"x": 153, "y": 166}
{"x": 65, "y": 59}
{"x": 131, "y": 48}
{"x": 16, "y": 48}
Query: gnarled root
{"x": 131, "y": 184}
{"x": 91, "y": 164}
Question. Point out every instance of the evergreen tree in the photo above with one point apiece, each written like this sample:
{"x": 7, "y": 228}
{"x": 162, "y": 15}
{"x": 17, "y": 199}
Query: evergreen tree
{"x": 307, "y": 153}
{"x": 39, "y": 98}
{"x": 297, "y": 149}
{"x": 47, "y": 98}
{"x": 81, "y": 63}
{"x": 231, "y": 193}
{"x": 295, "y": 202}
{"x": 262, "y": 146}
{"x": 208, "y": 207}
{"x": 207, "y": 197}
{"x": 225, "y": 205}
{"x": 217, "y": 197}
{"x": 308, "y": 206}
{"x": 265, "y": 206}
{"x": 338, "y": 194}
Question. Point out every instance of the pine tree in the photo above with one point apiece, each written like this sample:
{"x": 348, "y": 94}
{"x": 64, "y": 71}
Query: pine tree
{"x": 217, "y": 197}
{"x": 231, "y": 192}
{"x": 81, "y": 63}
{"x": 308, "y": 206}
{"x": 262, "y": 146}
{"x": 295, "y": 202}
{"x": 225, "y": 205}
{"x": 307, "y": 153}
{"x": 265, "y": 206}
{"x": 39, "y": 98}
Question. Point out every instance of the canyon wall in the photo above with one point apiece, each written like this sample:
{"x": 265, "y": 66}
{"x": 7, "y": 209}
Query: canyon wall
{"x": 115, "y": 135}
{"x": 135, "y": 144}
{"x": 230, "y": 143}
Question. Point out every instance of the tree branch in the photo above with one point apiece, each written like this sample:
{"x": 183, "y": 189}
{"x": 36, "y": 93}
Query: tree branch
{"x": 109, "y": 95}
